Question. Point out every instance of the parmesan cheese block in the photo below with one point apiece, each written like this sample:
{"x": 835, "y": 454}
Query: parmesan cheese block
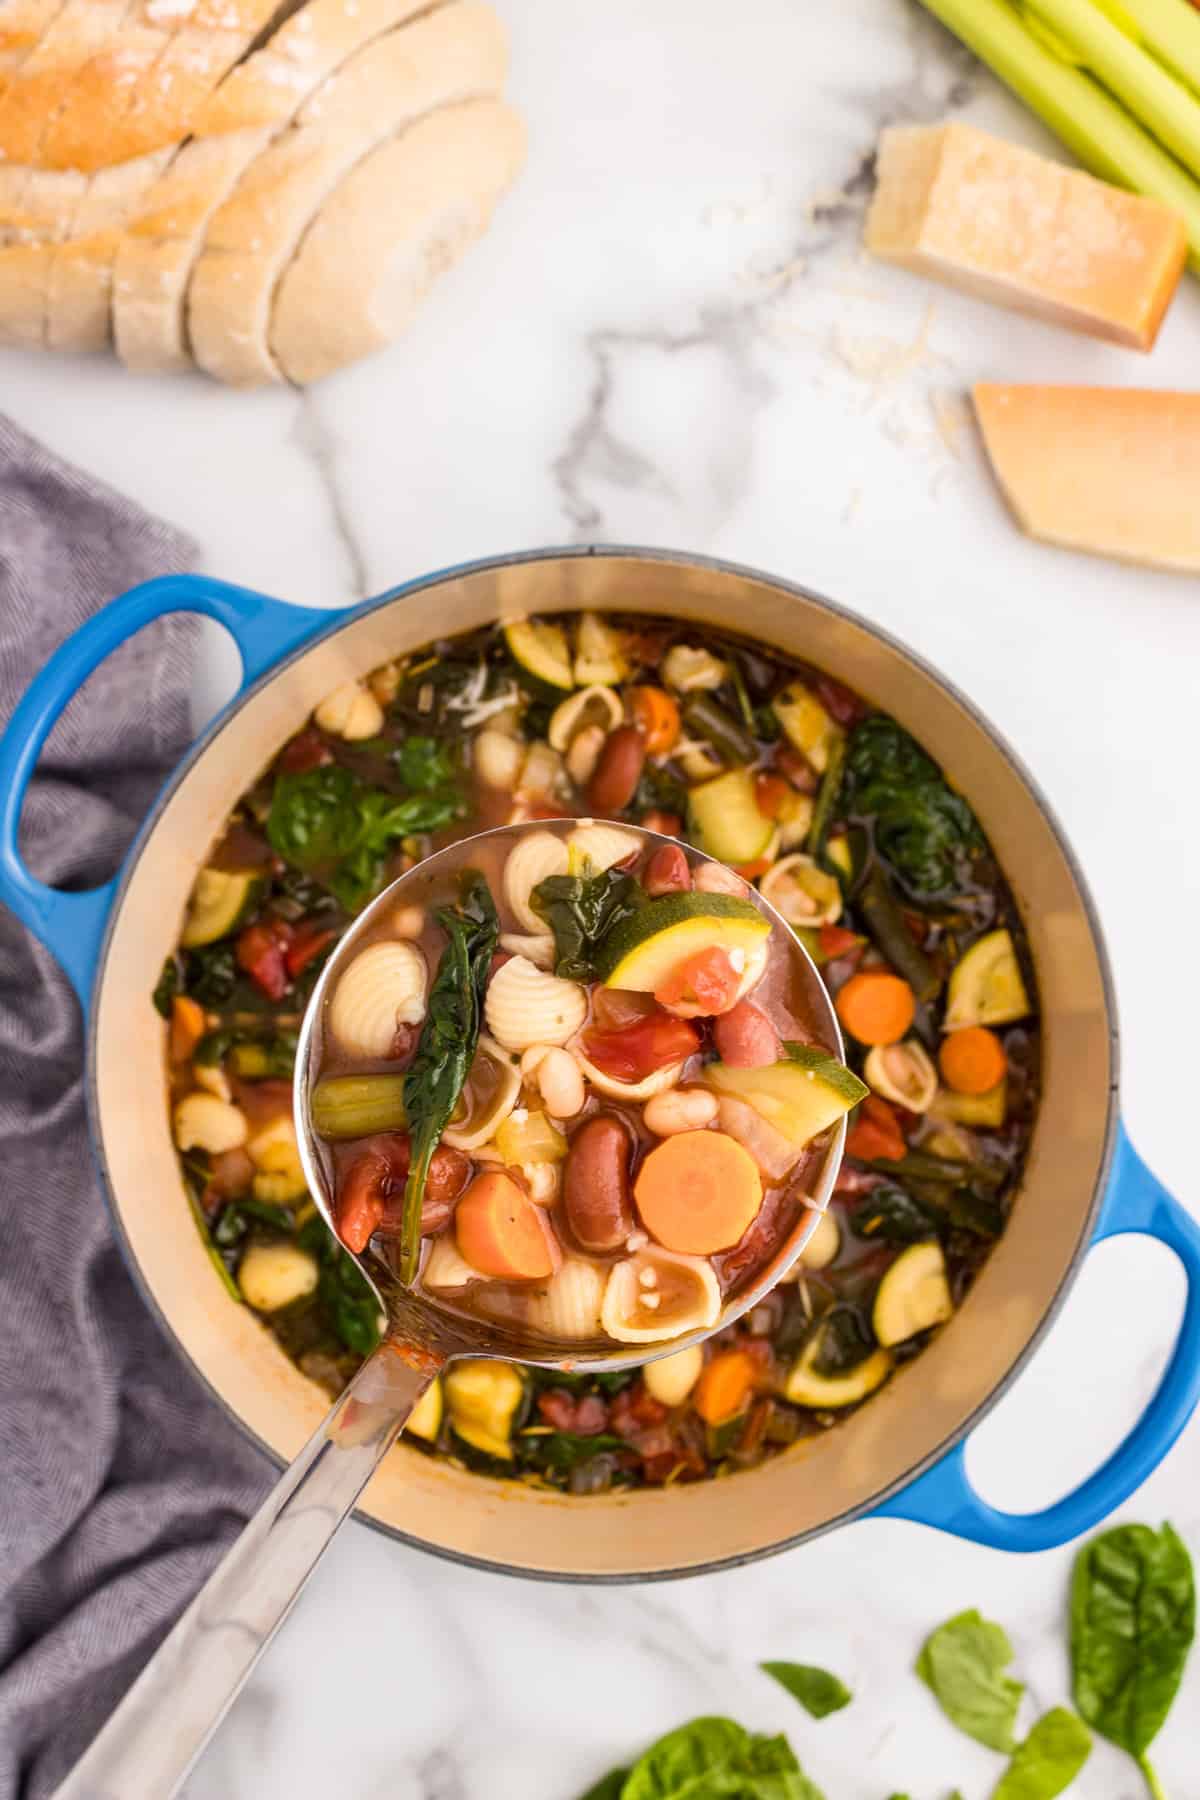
{"x": 1111, "y": 470}
{"x": 1007, "y": 225}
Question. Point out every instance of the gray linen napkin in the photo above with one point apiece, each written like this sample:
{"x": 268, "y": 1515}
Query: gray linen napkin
{"x": 120, "y": 1480}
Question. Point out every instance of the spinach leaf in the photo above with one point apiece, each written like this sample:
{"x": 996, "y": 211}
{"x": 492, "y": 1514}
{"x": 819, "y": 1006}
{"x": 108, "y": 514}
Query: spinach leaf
{"x": 715, "y": 1759}
{"x": 1048, "y": 1761}
{"x": 210, "y": 975}
{"x": 845, "y": 1339}
{"x": 818, "y": 1692}
{"x": 609, "y": 1787}
{"x": 1133, "y": 1617}
{"x": 581, "y": 910}
{"x": 891, "y": 1215}
{"x": 327, "y": 820}
{"x": 659, "y": 791}
{"x": 963, "y": 1663}
{"x": 422, "y": 763}
{"x": 927, "y": 832}
{"x": 166, "y": 987}
{"x": 566, "y": 1450}
{"x": 446, "y": 1046}
{"x": 343, "y": 1291}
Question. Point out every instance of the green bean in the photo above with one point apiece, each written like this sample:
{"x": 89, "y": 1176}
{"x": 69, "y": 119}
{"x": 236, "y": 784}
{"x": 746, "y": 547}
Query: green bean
{"x": 827, "y": 798}
{"x": 731, "y": 741}
{"x": 351, "y": 1106}
{"x": 885, "y": 922}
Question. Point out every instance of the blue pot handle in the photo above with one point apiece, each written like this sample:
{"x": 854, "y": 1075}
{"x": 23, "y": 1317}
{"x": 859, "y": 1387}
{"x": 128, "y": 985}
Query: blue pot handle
{"x": 71, "y": 926}
{"x": 944, "y": 1498}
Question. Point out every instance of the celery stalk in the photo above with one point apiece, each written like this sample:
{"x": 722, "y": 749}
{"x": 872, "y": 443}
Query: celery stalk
{"x": 1171, "y": 30}
{"x": 1104, "y": 137}
{"x": 1168, "y": 110}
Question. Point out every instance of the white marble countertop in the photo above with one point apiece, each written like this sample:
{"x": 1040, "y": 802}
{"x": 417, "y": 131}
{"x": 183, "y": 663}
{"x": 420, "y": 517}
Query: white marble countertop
{"x": 672, "y": 337}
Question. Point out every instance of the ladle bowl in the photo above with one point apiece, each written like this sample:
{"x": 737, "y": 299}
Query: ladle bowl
{"x": 150, "y": 1743}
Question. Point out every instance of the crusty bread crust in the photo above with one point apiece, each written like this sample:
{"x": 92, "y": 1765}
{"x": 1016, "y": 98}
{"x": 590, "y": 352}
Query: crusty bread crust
{"x": 402, "y": 217}
{"x": 256, "y": 100}
{"x": 455, "y": 54}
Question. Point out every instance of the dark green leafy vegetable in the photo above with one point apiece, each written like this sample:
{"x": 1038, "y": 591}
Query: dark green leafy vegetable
{"x": 659, "y": 791}
{"x": 326, "y": 820}
{"x": 1048, "y": 1761}
{"x": 706, "y": 719}
{"x": 565, "y": 1450}
{"x": 715, "y": 1759}
{"x": 609, "y": 1787}
{"x": 885, "y": 922}
{"x": 166, "y": 987}
{"x": 581, "y": 910}
{"x": 210, "y": 975}
{"x": 818, "y": 1692}
{"x": 1133, "y": 1618}
{"x": 446, "y": 1046}
{"x": 825, "y": 808}
{"x": 926, "y": 832}
{"x": 846, "y": 1338}
{"x": 963, "y": 1664}
{"x": 767, "y": 728}
{"x": 342, "y": 1289}
{"x": 424, "y": 764}
{"x": 891, "y": 1215}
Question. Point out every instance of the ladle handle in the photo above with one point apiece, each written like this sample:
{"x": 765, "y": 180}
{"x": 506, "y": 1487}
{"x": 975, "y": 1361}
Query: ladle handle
{"x": 153, "y": 1739}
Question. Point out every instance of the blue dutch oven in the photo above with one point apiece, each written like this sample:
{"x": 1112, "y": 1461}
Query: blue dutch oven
{"x": 902, "y": 1455}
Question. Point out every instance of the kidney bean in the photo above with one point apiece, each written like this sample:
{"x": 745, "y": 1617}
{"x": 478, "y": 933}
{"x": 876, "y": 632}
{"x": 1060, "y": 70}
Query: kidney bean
{"x": 667, "y": 872}
{"x": 306, "y": 751}
{"x": 596, "y": 1192}
{"x": 618, "y": 771}
{"x": 745, "y": 1037}
{"x": 795, "y": 765}
{"x": 668, "y": 823}
{"x": 371, "y": 1192}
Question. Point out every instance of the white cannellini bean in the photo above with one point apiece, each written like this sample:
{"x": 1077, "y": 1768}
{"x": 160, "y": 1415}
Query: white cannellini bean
{"x": 540, "y": 772}
{"x": 202, "y": 1122}
{"x": 584, "y": 754}
{"x": 213, "y": 1079}
{"x": 680, "y": 1109}
{"x": 272, "y": 1276}
{"x": 351, "y": 712}
{"x": 715, "y": 878}
{"x": 408, "y": 921}
{"x": 498, "y": 758}
{"x": 671, "y": 1379}
{"x": 543, "y": 1180}
{"x": 558, "y": 1077}
{"x": 384, "y": 986}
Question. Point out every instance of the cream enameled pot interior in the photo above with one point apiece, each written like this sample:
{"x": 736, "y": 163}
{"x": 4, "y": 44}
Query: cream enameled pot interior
{"x": 823, "y": 1479}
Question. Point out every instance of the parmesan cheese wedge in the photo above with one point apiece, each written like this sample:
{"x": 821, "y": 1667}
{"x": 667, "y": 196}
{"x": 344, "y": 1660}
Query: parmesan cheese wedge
{"x": 1110, "y": 470}
{"x": 1009, "y": 226}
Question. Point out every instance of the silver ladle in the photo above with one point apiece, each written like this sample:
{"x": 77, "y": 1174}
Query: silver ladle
{"x": 153, "y": 1739}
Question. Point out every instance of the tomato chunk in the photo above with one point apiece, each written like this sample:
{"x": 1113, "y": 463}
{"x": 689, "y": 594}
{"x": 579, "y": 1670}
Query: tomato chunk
{"x": 703, "y": 984}
{"x": 634, "y": 1051}
{"x": 262, "y": 952}
{"x": 311, "y": 940}
{"x": 875, "y": 1135}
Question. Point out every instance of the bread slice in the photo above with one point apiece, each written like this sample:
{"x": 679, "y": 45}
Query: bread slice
{"x": 162, "y": 108}
{"x": 455, "y": 54}
{"x": 1012, "y": 227}
{"x": 253, "y": 104}
{"x": 1109, "y": 470}
{"x": 22, "y": 23}
{"x": 400, "y": 218}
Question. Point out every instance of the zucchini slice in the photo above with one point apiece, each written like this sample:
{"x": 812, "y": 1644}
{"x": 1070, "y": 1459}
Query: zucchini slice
{"x": 986, "y": 986}
{"x": 987, "y": 1110}
{"x": 807, "y": 1386}
{"x": 425, "y": 1419}
{"x": 484, "y": 1398}
{"x": 913, "y": 1296}
{"x": 599, "y": 656}
{"x": 803, "y": 1094}
{"x": 220, "y": 900}
{"x": 541, "y": 650}
{"x": 726, "y": 821}
{"x": 642, "y": 951}
{"x": 824, "y": 1244}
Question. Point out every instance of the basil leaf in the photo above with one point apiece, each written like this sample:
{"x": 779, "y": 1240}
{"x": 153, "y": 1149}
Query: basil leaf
{"x": 1048, "y": 1761}
{"x": 1133, "y": 1617}
{"x": 446, "y": 1046}
{"x": 609, "y": 1787}
{"x": 422, "y": 763}
{"x": 715, "y": 1759}
{"x": 963, "y": 1664}
{"x": 581, "y": 910}
{"x": 818, "y": 1692}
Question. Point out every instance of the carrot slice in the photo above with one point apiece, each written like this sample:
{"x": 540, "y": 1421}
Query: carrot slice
{"x": 972, "y": 1061}
{"x": 698, "y": 1192}
{"x": 188, "y": 1025}
{"x": 500, "y": 1231}
{"x": 876, "y": 1007}
{"x": 657, "y": 718}
{"x": 725, "y": 1385}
